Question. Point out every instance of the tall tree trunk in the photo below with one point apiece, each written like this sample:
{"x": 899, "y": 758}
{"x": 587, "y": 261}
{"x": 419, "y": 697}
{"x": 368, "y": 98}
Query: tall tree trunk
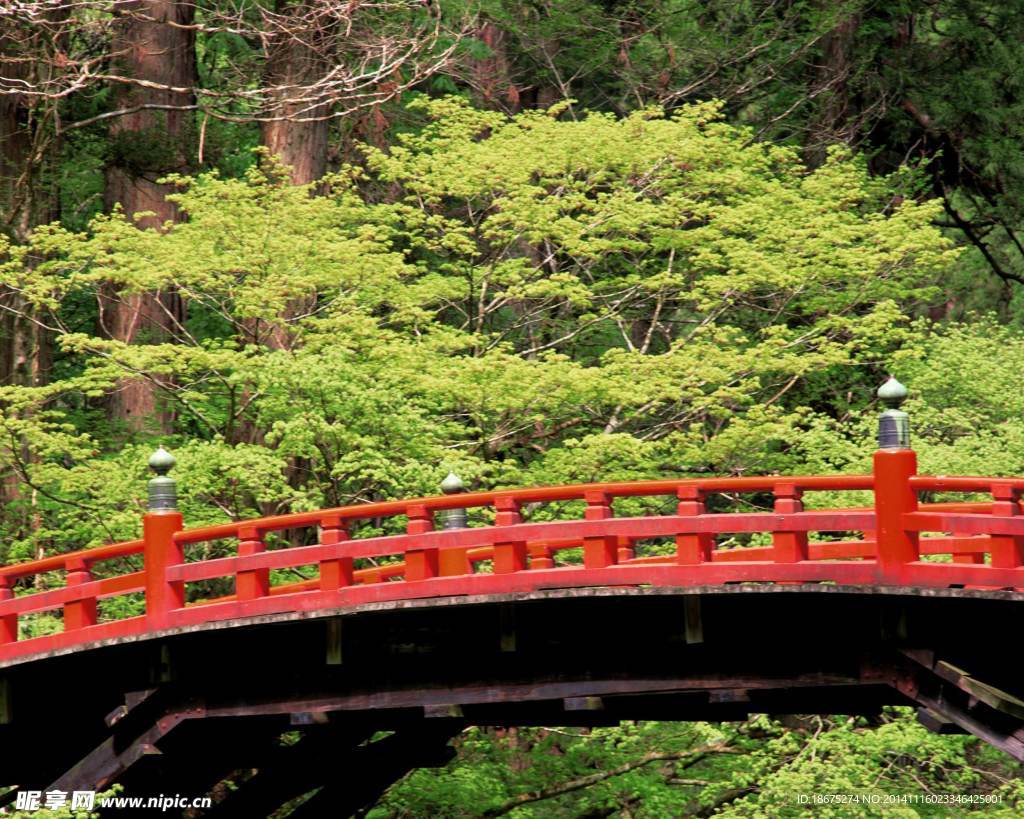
{"x": 295, "y": 132}
{"x": 152, "y": 138}
{"x": 833, "y": 120}
{"x": 26, "y": 146}
{"x": 491, "y": 76}
{"x": 297, "y": 127}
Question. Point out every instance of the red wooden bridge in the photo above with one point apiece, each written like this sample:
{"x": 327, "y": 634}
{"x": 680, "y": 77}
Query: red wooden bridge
{"x": 529, "y": 606}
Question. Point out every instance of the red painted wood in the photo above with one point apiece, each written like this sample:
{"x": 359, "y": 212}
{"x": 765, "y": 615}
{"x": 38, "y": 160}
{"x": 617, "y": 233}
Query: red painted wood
{"x": 161, "y": 551}
{"x": 603, "y": 550}
{"x": 509, "y": 554}
{"x": 81, "y": 612}
{"x": 8, "y": 622}
{"x": 57, "y": 562}
{"x": 420, "y": 563}
{"x": 692, "y": 548}
{"x": 860, "y": 572}
{"x": 423, "y": 562}
{"x": 251, "y": 583}
{"x": 70, "y": 639}
{"x": 335, "y": 572}
{"x": 895, "y": 498}
{"x": 1007, "y": 550}
{"x": 964, "y": 524}
{"x": 788, "y": 547}
{"x": 536, "y": 494}
{"x": 541, "y": 556}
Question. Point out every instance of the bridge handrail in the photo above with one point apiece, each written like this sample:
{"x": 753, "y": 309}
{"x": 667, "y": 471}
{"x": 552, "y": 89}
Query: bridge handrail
{"x": 17, "y": 571}
{"x": 539, "y": 494}
{"x": 893, "y": 549}
{"x": 964, "y": 483}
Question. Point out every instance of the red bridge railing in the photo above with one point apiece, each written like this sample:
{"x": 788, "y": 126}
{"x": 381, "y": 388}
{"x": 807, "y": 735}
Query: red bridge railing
{"x": 896, "y": 542}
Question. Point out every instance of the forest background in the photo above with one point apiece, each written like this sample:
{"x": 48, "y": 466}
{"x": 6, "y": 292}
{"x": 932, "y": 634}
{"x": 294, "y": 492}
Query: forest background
{"x": 328, "y": 251}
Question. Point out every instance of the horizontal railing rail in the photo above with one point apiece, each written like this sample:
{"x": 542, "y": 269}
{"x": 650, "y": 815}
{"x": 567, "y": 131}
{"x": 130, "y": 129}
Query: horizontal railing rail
{"x": 894, "y": 542}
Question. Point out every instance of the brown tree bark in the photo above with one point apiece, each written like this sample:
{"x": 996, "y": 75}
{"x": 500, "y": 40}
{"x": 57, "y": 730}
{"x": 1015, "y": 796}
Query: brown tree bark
{"x": 833, "y": 120}
{"x": 295, "y": 131}
{"x": 25, "y": 201}
{"x": 150, "y": 139}
{"x": 297, "y": 127}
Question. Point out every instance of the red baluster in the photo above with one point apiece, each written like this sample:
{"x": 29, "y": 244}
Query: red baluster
{"x": 626, "y": 549}
{"x": 1007, "y": 550}
{"x": 420, "y": 563}
{"x": 599, "y": 552}
{"x": 79, "y": 613}
{"x": 541, "y": 556}
{"x": 251, "y": 584}
{"x": 8, "y": 622}
{"x": 695, "y": 547}
{"x": 509, "y": 556}
{"x": 335, "y": 572}
{"x": 789, "y": 546}
{"x": 453, "y": 562}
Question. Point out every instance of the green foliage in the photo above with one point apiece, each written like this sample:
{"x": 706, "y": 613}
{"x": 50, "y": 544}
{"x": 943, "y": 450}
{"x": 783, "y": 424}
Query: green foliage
{"x": 537, "y": 299}
{"x": 561, "y": 300}
{"x": 755, "y": 769}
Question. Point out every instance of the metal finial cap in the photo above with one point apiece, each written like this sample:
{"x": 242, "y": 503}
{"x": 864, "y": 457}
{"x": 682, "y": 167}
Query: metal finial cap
{"x": 892, "y": 393}
{"x": 163, "y": 490}
{"x": 161, "y": 461}
{"x": 452, "y": 485}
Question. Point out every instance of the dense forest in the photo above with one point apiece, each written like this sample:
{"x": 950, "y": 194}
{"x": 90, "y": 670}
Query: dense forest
{"x": 328, "y": 251}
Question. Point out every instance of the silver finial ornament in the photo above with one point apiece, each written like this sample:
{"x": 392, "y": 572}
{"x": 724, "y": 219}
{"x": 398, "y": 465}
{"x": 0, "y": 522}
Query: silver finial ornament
{"x": 894, "y": 423}
{"x": 163, "y": 490}
{"x": 454, "y": 518}
{"x": 452, "y": 485}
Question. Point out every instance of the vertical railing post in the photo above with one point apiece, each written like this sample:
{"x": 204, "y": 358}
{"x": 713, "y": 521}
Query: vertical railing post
{"x": 695, "y": 547}
{"x": 1007, "y": 550}
{"x": 420, "y": 564}
{"x": 541, "y": 556}
{"x": 509, "y": 556}
{"x": 895, "y": 463}
{"x": 600, "y": 551}
{"x": 251, "y": 584}
{"x": 8, "y": 622}
{"x": 79, "y": 613}
{"x": 626, "y": 549}
{"x": 454, "y": 561}
{"x": 160, "y": 551}
{"x": 788, "y": 546}
{"x": 335, "y": 572}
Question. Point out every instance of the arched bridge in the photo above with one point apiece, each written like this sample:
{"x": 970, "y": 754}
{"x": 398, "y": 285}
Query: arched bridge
{"x": 569, "y": 605}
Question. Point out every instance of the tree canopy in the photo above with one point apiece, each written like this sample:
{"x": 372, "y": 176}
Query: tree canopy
{"x": 328, "y": 252}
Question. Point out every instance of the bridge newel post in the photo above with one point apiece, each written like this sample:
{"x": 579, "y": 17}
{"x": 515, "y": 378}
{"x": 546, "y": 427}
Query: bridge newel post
{"x": 335, "y": 572}
{"x": 895, "y": 463}
{"x": 79, "y": 613}
{"x": 696, "y": 547}
{"x": 8, "y": 622}
{"x": 454, "y": 561}
{"x": 509, "y": 556}
{"x": 420, "y": 564}
{"x": 160, "y": 551}
{"x": 601, "y": 551}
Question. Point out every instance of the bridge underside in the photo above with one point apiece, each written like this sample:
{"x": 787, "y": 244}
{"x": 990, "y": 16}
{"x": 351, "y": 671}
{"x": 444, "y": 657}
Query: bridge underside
{"x": 181, "y": 712}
